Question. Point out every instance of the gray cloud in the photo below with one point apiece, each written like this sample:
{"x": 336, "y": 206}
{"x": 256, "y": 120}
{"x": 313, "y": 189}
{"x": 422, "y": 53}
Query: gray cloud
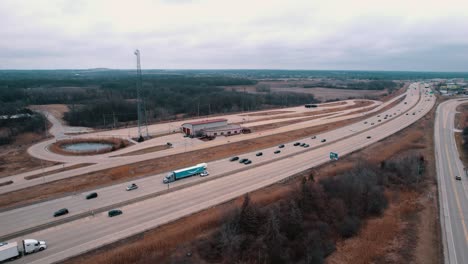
{"x": 185, "y": 34}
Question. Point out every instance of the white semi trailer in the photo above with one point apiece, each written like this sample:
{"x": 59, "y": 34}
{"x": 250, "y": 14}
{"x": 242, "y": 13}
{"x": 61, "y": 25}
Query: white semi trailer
{"x": 11, "y": 250}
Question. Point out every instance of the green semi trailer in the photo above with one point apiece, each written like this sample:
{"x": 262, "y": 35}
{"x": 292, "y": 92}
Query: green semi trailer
{"x": 184, "y": 173}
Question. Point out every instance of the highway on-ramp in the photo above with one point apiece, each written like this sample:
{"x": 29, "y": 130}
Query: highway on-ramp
{"x": 453, "y": 194}
{"x": 79, "y": 236}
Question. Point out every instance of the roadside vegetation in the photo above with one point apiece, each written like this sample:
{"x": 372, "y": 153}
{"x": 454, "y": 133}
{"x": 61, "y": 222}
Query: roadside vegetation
{"x": 22, "y": 121}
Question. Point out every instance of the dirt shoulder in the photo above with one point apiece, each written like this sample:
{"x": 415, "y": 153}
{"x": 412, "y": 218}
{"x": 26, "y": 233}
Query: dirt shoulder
{"x": 408, "y": 231}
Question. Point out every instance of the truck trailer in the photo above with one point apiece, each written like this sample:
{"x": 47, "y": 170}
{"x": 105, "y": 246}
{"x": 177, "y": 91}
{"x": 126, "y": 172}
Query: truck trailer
{"x": 184, "y": 173}
{"x": 10, "y": 250}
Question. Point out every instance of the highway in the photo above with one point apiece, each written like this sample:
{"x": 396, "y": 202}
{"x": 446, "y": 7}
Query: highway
{"x": 17, "y": 220}
{"x": 453, "y": 194}
{"x": 180, "y": 145}
{"x": 87, "y": 233}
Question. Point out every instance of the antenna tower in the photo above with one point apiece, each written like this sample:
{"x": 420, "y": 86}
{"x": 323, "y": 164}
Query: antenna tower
{"x": 140, "y": 112}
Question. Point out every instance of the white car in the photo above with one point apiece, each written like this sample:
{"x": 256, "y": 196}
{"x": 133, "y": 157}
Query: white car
{"x": 132, "y": 186}
{"x": 203, "y": 174}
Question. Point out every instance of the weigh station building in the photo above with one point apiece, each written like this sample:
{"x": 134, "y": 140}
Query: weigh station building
{"x": 210, "y": 128}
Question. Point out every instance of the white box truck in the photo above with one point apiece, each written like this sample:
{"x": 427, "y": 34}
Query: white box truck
{"x": 10, "y": 250}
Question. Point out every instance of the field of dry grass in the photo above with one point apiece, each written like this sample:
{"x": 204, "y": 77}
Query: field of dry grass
{"x": 44, "y": 174}
{"x": 14, "y": 158}
{"x": 145, "y": 150}
{"x": 396, "y": 237}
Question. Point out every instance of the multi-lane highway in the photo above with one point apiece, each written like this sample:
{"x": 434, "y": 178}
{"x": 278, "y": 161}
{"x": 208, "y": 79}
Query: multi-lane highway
{"x": 106, "y": 161}
{"x": 453, "y": 194}
{"x": 87, "y": 233}
{"x": 17, "y": 220}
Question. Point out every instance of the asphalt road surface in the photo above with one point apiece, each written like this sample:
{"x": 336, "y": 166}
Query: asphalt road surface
{"x": 81, "y": 235}
{"x": 18, "y": 220}
{"x": 453, "y": 194}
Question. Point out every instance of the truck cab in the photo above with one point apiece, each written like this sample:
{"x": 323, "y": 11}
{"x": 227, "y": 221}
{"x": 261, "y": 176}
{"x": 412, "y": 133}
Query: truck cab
{"x": 169, "y": 178}
{"x": 33, "y": 245}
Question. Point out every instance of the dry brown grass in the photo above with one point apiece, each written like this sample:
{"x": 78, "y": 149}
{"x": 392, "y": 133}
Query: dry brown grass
{"x": 145, "y": 150}
{"x": 117, "y": 143}
{"x": 44, "y": 174}
{"x": 6, "y": 183}
{"x": 284, "y": 123}
{"x": 268, "y": 113}
{"x": 14, "y": 158}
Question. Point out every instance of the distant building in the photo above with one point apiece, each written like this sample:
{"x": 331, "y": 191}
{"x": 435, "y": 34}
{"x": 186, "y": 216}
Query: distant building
{"x": 226, "y": 130}
{"x": 196, "y": 128}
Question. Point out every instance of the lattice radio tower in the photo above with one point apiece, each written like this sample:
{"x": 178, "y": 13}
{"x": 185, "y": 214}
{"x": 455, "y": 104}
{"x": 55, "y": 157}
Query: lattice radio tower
{"x": 140, "y": 112}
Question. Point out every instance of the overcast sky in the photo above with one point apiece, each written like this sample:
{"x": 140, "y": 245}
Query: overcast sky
{"x": 418, "y": 35}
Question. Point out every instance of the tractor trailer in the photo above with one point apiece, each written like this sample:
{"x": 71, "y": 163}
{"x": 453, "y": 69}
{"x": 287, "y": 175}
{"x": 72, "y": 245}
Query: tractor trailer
{"x": 184, "y": 173}
{"x": 11, "y": 250}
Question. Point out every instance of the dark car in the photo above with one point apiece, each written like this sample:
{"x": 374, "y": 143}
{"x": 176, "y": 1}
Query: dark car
{"x": 91, "y": 195}
{"x": 458, "y": 178}
{"x": 365, "y": 122}
{"x": 60, "y": 212}
{"x": 306, "y": 146}
{"x": 405, "y": 103}
{"x": 313, "y": 137}
{"x": 259, "y": 154}
{"x": 114, "y": 212}
{"x": 368, "y": 137}
{"x": 303, "y": 144}
{"x": 380, "y": 120}
{"x": 324, "y": 140}
{"x": 372, "y": 124}
{"x": 243, "y": 160}
{"x": 247, "y": 162}
{"x": 297, "y": 143}
{"x": 278, "y": 151}
{"x": 406, "y": 113}
{"x": 234, "y": 159}
{"x": 281, "y": 146}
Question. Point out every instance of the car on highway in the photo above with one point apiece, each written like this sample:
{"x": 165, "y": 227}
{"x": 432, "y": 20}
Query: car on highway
{"x": 303, "y": 144}
{"x": 60, "y": 212}
{"x": 297, "y": 144}
{"x": 406, "y": 113}
{"x": 114, "y": 212}
{"x": 247, "y": 162}
{"x": 385, "y": 118}
{"x": 278, "y": 151}
{"x": 323, "y": 140}
{"x": 368, "y": 137}
{"x": 365, "y": 122}
{"x": 379, "y": 120}
{"x": 405, "y": 103}
{"x": 91, "y": 195}
{"x": 281, "y": 146}
{"x": 414, "y": 113}
{"x": 204, "y": 173}
{"x": 306, "y": 146}
{"x": 458, "y": 178}
{"x": 313, "y": 137}
{"x": 372, "y": 124}
{"x": 132, "y": 186}
{"x": 259, "y": 154}
{"x": 233, "y": 158}
{"x": 243, "y": 160}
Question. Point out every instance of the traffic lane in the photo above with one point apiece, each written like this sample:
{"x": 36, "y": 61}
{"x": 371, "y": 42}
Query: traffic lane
{"x": 454, "y": 227}
{"x": 78, "y": 205}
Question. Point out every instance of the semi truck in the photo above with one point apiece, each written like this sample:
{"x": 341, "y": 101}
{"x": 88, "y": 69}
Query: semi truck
{"x": 184, "y": 173}
{"x": 11, "y": 250}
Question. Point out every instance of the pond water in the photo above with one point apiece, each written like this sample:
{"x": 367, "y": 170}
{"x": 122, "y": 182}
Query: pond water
{"x": 87, "y": 147}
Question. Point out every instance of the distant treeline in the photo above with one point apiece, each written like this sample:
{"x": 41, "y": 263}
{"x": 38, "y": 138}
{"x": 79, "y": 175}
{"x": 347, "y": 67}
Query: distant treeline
{"x": 99, "y": 99}
{"x": 371, "y": 85}
{"x": 11, "y": 127}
